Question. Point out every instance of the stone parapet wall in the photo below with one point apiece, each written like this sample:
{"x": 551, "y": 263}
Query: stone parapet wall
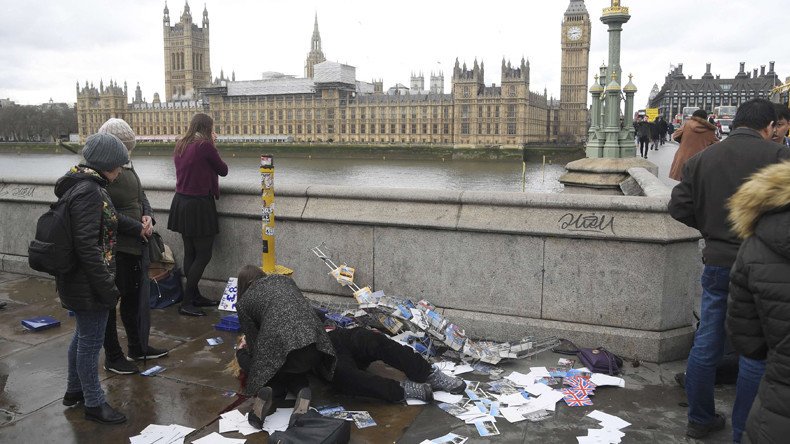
{"x": 615, "y": 271}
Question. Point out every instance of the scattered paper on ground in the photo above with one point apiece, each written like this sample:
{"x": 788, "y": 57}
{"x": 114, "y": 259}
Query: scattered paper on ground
{"x": 161, "y": 434}
{"x": 216, "y": 438}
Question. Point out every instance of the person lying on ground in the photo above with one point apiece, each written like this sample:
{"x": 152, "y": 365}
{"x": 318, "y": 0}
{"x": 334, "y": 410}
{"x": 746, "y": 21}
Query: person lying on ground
{"x": 353, "y": 350}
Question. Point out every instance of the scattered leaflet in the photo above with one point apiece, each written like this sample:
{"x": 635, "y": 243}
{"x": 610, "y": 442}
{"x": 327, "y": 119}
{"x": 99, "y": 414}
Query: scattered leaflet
{"x": 602, "y": 379}
{"x": 216, "y": 438}
{"x": 161, "y": 434}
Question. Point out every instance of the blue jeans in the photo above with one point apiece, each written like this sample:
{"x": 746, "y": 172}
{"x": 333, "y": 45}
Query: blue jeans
{"x": 84, "y": 356}
{"x": 707, "y": 352}
{"x": 750, "y": 373}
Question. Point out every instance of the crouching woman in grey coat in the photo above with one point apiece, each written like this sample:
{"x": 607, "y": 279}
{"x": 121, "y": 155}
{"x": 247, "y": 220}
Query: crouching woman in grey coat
{"x": 758, "y": 309}
{"x": 285, "y": 339}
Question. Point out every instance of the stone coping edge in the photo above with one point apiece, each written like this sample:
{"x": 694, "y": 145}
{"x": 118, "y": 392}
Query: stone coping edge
{"x": 656, "y": 203}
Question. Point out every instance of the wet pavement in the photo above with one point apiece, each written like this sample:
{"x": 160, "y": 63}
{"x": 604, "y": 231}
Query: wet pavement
{"x": 194, "y": 388}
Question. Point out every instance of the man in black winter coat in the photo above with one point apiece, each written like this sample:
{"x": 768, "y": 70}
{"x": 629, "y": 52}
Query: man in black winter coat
{"x": 699, "y": 201}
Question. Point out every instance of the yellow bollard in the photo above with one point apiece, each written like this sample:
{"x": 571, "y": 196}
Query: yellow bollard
{"x": 268, "y": 262}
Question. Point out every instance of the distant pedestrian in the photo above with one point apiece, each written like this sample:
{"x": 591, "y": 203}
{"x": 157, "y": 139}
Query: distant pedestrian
{"x": 662, "y": 129}
{"x": 782, "y": 124}
{"x": 699, "y": 201}
{"x": 643, "y": 136}
{"x": 694, "y": 136}
{"x": 89, "y": 291}
{"x": 758, "y": 311}
{"x": 655, "y": 136}
{"x": 670, "y": 130}
{"x": 193, "y": 212}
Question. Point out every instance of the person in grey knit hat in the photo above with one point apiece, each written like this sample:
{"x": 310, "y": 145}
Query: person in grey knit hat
{"x": 120, "y": 129}
{"x": 104, "y": 153}
{"x": 132, "y": 261}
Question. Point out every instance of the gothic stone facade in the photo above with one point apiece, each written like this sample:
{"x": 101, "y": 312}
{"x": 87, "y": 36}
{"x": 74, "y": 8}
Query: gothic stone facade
{"x": 329, "y": 105}
{"x": 710, "y": 91}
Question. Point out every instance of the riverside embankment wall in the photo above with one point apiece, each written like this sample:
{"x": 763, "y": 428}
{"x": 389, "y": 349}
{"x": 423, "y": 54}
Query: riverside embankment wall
{"x": 599, "y": 270}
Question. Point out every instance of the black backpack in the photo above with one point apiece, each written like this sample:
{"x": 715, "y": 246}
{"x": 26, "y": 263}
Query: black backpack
{"x": 52, "y": 250}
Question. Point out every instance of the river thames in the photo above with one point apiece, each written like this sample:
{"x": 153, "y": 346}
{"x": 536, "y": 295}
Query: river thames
{"x": 359, "y": 173}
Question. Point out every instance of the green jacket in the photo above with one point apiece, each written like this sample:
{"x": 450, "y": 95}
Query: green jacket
{"x": 130, "y": 202}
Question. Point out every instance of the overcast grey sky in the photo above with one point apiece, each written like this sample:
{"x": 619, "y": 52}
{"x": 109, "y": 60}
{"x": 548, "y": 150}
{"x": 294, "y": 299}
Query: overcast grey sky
{"x": 46, "y": 46}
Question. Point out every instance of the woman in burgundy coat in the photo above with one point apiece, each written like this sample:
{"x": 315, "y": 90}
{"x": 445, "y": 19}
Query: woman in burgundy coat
{"x": 193, "y": 212}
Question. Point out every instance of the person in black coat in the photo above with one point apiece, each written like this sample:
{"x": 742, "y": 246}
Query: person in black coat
{"x": 709, "y": 179}
{"x": 758, "y": 309}
{"x": 662, "y": 129}
{"x": 89, "y": 291}
{"x": 643, "y": 136}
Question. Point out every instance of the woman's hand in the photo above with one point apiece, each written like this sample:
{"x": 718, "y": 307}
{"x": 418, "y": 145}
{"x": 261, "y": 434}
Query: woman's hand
{"x": 148, "y": 226}
{"x": 242, "y": 342}
{"x": 214, "y": 136}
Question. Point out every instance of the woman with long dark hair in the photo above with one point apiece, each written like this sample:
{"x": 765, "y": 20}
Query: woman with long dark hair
{"x": 193, "y": 212}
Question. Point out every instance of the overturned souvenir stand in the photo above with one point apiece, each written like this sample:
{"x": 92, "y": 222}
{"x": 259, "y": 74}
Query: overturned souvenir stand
{"x": 612, "y": 271}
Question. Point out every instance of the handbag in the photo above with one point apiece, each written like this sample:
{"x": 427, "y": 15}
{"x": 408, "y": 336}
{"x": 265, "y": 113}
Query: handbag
{"x": 165, "y": 286}
{"x": 600, "y": 360}
{"x": 156, "y": 247}
{"x": 313, "y": 428}
{"x": 597, "y": 360}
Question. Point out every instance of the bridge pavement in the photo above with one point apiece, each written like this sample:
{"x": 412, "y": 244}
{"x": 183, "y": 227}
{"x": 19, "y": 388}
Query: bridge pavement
{"x": 192, "y": 391}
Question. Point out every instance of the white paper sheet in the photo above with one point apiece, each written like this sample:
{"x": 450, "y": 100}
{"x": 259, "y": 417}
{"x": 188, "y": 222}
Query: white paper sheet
{"x": 216, "y": 438}
{"x": 608, "y": 421}
{"x": 520, "y": 379}
{"x": 512, "y": 414}
{"x": 540, "y": 372}
{"x": 601, "y": 379}
{"x": 538, "y": 389}
{"x": 447, "y": 397}
{"x": 411, "y": 401}
{"x": 277, "y": 421}
{"x": 513, "y": 400}
{"x": 461, "y": 369}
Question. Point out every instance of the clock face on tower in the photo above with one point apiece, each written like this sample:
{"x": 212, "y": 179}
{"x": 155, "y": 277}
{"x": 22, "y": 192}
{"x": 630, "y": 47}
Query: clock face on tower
{"x": 574, "y": 33}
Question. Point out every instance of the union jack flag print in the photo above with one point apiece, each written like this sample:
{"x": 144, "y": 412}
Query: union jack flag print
{"x": 578, "y": 392}
{"x": 579, "y": 383}
{"x": 575, "y": 399}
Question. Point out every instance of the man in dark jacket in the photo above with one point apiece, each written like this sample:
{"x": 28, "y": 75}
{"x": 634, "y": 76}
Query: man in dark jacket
{"x": 699, "y": 201}
{"x": 758, "y": 310}
{"x": 89, "y": 291}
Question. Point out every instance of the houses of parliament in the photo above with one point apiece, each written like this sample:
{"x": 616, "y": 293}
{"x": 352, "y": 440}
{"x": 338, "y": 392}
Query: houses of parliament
{"x": 329, "y": 104}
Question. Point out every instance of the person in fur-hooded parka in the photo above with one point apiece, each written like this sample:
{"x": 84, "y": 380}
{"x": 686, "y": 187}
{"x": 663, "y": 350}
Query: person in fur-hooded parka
{"x": 758, "y": 312}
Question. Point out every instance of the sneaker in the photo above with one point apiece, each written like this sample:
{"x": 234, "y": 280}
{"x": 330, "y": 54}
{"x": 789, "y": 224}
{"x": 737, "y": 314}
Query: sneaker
{"x": 416, "y": 390}
{"x": 104, "y": 414}
{"x": 121, "y": 366}
{"x": 699, "y": 431}
{"x": 150, "y": 353}
{"x": 70, "y": 399}
{"x": 441, "y": 382}
{"x": 261, "y": 407}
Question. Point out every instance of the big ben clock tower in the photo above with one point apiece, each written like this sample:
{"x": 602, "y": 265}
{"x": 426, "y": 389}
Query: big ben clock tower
{"x": 575, "y": 63}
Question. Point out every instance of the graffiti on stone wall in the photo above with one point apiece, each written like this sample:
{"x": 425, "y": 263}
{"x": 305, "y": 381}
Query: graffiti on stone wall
{"x": 590, "y": 223}
{"x": 12, "y": 190}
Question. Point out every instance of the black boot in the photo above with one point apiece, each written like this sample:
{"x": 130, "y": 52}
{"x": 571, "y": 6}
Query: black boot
{"x": 104, "y": 414}
{"x": 190, "y": 310}
{"x": 71, "y": 399}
